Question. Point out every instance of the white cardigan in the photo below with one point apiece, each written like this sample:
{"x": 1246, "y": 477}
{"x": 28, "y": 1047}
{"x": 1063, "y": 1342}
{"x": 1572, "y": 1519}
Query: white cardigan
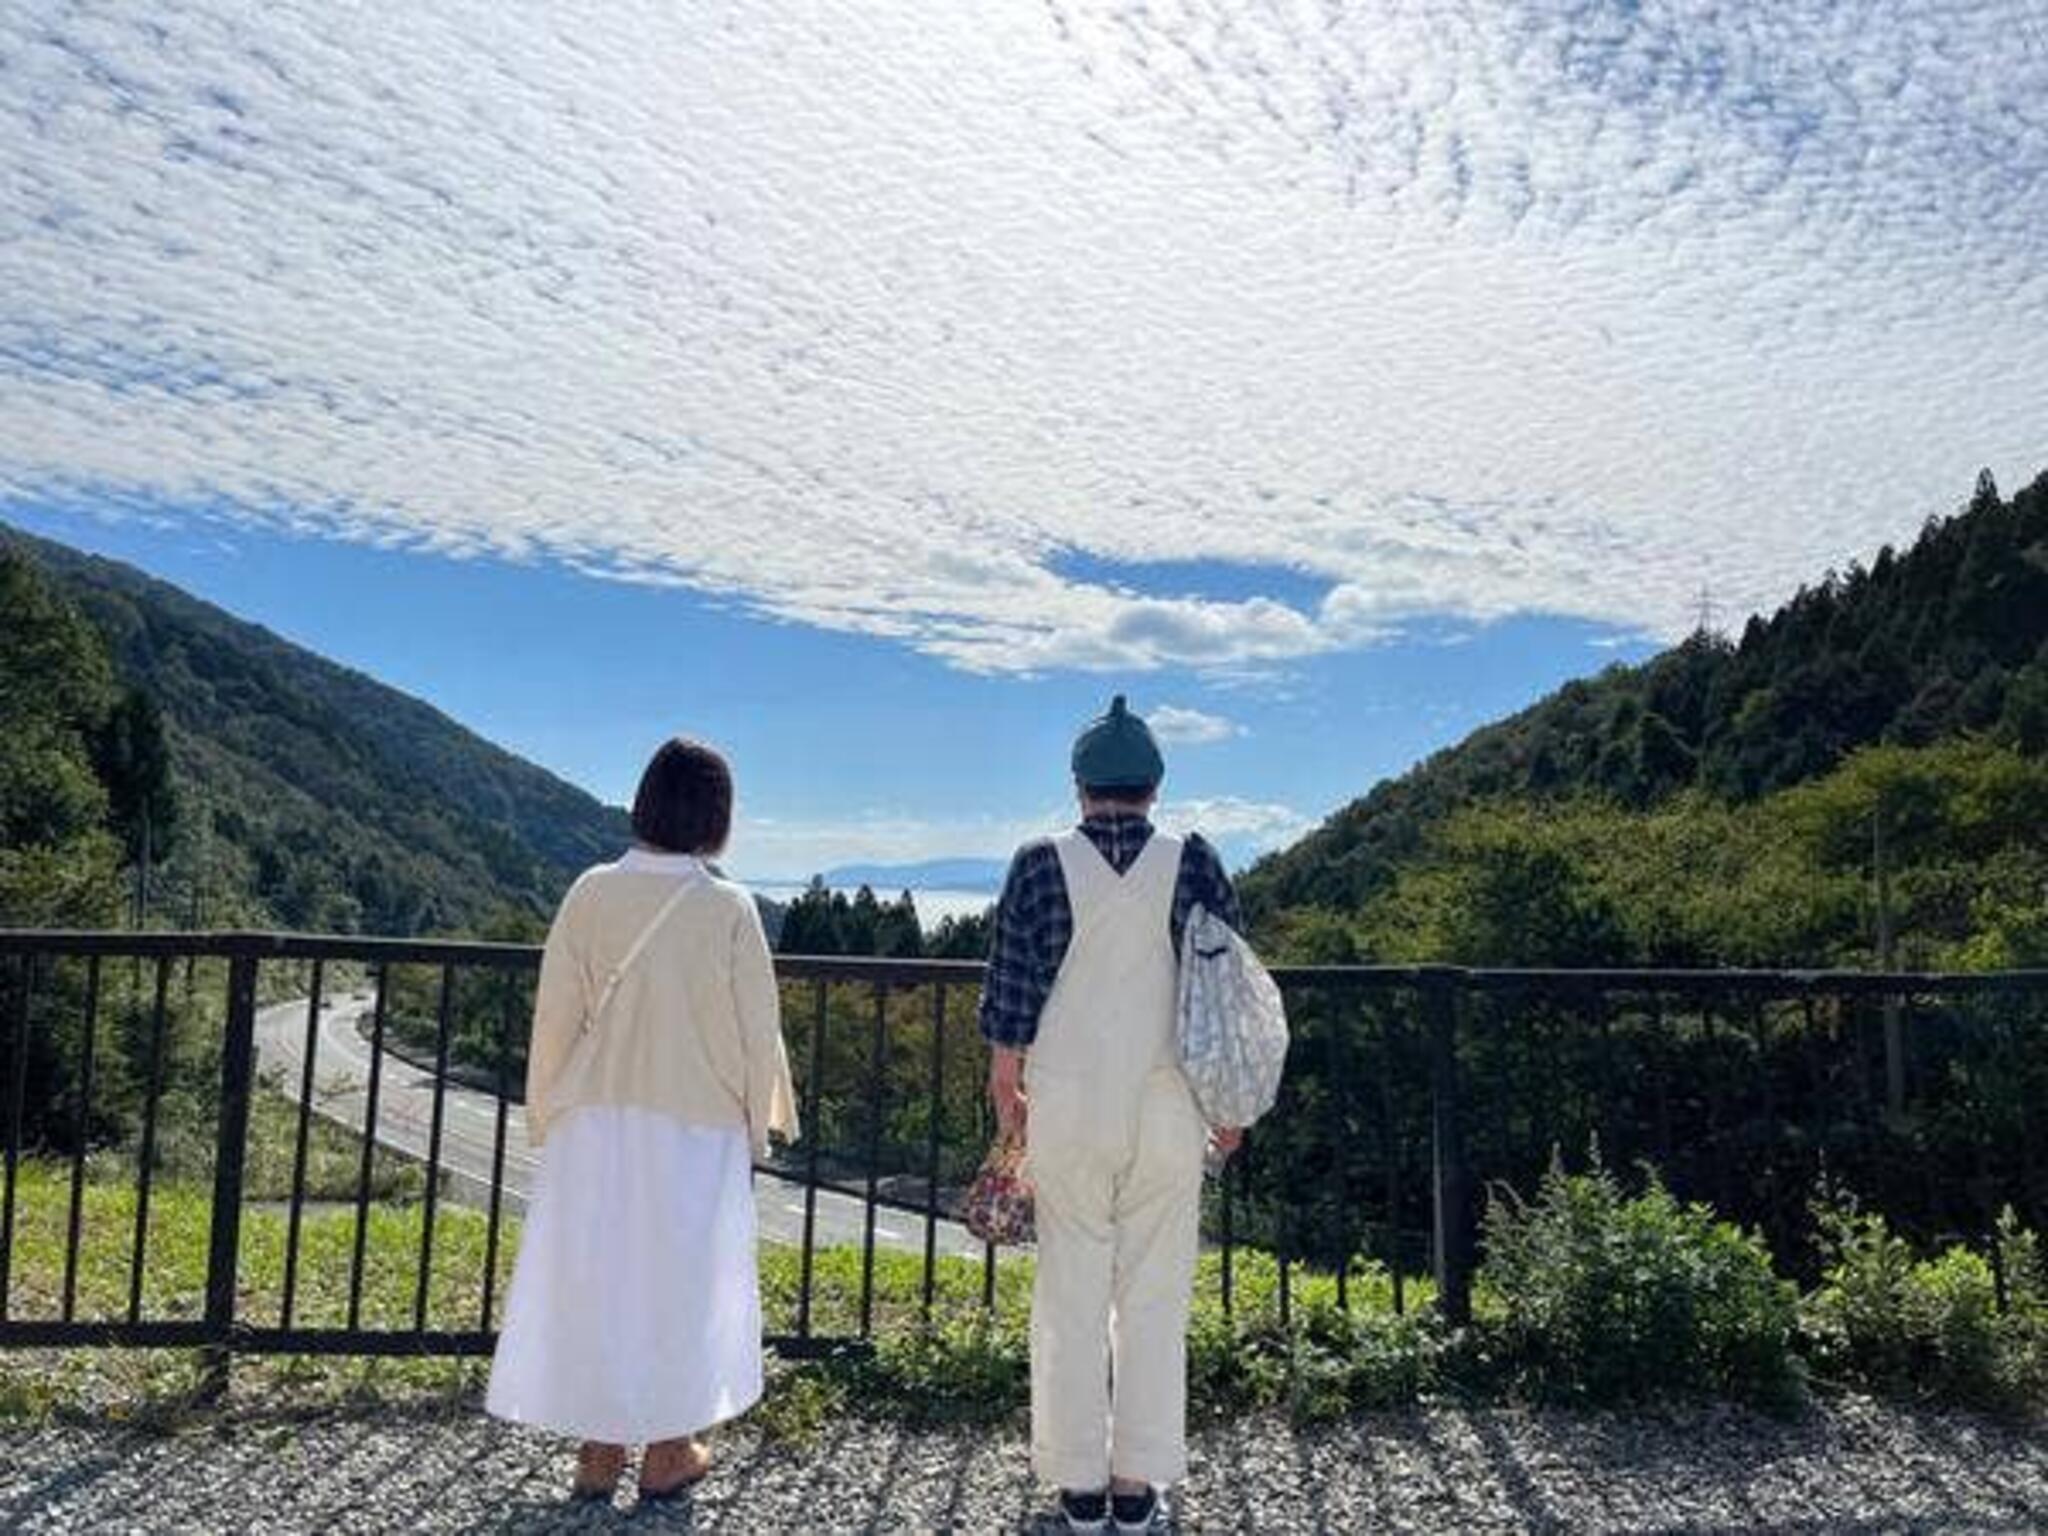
{"x": 694, "y": 1028}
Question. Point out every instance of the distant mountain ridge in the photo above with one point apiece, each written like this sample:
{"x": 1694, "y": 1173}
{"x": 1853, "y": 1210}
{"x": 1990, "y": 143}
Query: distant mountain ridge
{"x": 330, "y": 799}
{"x": 1949, "y": 638}
{"x": 979, "y": 875}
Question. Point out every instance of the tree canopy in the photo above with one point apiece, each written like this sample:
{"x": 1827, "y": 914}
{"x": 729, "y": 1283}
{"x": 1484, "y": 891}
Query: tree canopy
{"x": 1944, "y": 644}
{"x": 59, "y": 857}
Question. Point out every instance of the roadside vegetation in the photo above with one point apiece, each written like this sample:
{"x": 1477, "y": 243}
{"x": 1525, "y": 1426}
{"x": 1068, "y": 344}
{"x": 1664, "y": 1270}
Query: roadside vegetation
{"x": 1597, "y": 1291}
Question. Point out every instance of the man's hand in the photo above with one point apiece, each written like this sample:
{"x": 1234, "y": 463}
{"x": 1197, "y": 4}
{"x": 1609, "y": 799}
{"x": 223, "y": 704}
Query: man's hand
{"x": 1006, "y": 1091}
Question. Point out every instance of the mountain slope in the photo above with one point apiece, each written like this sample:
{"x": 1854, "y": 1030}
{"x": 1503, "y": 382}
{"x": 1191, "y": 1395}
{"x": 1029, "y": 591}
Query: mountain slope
{"x": 1949, "y": 638}
{"x": 318, "y": 796}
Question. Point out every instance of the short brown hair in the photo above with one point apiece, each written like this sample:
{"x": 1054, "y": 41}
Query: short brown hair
{"x": 684, "y": 804}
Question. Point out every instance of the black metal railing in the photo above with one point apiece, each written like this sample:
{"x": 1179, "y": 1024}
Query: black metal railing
{"x": 1410, "y": 1092}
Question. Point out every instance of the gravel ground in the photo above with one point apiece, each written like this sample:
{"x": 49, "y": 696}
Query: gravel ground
{"x": 1851, "y": 1466}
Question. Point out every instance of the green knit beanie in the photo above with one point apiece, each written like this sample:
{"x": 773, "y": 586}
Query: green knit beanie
{"x": 1118, "y": 752}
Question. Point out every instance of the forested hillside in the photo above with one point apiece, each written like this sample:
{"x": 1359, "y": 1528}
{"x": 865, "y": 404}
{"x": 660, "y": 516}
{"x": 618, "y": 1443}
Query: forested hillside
{"x": 1945, "y": 643}
{"x": 60, "y": 853}
{"x": 297, "y": 792}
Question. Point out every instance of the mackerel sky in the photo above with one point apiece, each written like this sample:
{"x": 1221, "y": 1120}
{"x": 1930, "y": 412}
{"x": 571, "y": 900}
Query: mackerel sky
{"x": 875, "y": 387}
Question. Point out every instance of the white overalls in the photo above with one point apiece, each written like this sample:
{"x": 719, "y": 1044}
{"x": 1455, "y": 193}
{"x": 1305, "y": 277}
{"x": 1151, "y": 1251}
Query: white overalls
{"x": 1116, "y": 1147}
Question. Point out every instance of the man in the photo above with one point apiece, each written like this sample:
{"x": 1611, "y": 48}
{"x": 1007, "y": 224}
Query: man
{"x": 1079, "y": 1012}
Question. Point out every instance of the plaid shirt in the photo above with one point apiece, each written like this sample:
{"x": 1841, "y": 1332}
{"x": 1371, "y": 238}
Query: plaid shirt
{"x": 1035, "y": 922}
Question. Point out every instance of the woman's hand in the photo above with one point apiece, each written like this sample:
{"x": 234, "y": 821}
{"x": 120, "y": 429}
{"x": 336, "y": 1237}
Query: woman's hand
{"x": 1006, "y": 1092}
{"x": 1225, "y": 1140}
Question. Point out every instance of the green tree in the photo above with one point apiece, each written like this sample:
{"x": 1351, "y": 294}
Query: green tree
{"x": 898, "y": 934}
{"x": 811, "y": 925}
{"x": 2025, "y": 721}
{"x": 860, "y": 921}
{"x": 1498, "y": 887}
{"x": 57, "y": 861}
{"x": 134, "y": 762}
{"x": 963, "y": 936}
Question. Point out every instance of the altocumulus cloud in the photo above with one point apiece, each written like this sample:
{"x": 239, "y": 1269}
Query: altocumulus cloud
{"x": 1467, "y": 309}
{"x": 1177, "y": 726}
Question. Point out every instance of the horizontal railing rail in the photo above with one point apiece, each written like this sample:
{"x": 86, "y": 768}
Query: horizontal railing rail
{"x": 199, "y": 1062}
{"x": 264, "y": 944}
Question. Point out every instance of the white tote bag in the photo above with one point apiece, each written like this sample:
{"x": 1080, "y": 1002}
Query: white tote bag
{"x": 1230, "y": 1023}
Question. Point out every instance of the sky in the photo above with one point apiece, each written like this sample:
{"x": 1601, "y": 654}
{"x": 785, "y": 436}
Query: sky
{"x": 875, "y": 388}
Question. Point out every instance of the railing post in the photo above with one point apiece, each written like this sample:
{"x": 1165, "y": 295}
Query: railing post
{"x": 237, "y": 1070}
{"x": 1451, "y": 1177}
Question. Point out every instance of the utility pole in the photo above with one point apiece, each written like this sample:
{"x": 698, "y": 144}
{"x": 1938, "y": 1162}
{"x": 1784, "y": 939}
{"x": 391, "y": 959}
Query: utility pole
{"x": 199, "y": 852}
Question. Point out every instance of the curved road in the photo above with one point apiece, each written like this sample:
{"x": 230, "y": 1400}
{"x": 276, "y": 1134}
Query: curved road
{"x": 405, "y": 1108}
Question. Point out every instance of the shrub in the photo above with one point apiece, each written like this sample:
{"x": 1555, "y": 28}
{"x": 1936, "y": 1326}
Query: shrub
{"x": 2019, "y": 1253}
{"x": 1325, "y": 1364}
{"x": 800, "y": 1403}
{"x": 1927, "y": 1328}
{"x": 1595, "y": 1296}
{"x": 1344, "y": 1362}
{"x": 1231, "y": 1369}
{"x": 973, "y": 1370}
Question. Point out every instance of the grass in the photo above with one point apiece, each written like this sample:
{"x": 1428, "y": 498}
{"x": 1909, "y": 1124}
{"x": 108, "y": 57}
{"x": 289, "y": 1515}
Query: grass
{"x": 956, "y": 1362}
{"x": 333, "y": 1156}
{"x": 150, "y": 1386}
{"x": 962, "y": 1363}
{"x": 176, "y": 1245}
{"x": 898, "y": 1297}
{"x": 37, "y": 1383}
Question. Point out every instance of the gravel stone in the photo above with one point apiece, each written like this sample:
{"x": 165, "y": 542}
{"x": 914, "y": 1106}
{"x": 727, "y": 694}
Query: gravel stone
{"x": 1851, "y": 1465}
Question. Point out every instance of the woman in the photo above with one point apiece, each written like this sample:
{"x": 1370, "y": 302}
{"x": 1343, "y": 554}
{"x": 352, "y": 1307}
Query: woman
{"x": 655, "y": 1074}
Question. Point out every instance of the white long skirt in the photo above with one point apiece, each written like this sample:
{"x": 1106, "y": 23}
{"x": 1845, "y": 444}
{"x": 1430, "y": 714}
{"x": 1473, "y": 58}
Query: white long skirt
{"x": 634, "y": 1312}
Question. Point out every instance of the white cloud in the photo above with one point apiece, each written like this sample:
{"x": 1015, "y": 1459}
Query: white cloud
{"x": 1175, "y": 726}
{"x": 1235, "y": 824}
{"x": 866, "y": 317}
{"x": 793, "y": 849}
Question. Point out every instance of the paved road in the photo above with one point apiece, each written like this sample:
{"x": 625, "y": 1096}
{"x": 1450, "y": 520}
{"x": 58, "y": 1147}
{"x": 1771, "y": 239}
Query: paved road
{"x": 405, "y": 1108}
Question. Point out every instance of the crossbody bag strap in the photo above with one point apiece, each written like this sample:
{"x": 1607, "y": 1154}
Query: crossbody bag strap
{"x": 618, "y": 972}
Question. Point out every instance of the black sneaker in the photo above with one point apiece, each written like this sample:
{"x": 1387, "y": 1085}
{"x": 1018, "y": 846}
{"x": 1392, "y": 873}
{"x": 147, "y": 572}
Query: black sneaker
{"x": 1135, "y": 1511}
{"x": 1084, "y": 1511}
